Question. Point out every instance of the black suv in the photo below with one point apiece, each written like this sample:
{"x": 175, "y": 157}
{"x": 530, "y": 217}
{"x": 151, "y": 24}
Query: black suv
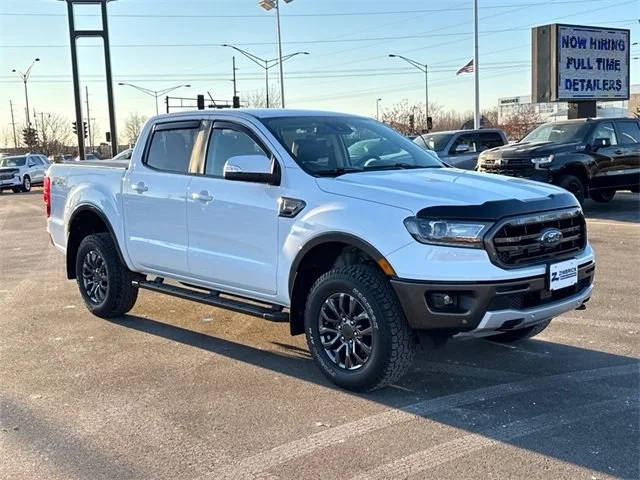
{"x": 589, "y": 157}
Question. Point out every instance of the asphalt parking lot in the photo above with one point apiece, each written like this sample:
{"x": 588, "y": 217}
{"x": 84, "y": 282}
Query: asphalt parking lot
{"x": 180, "y": 390}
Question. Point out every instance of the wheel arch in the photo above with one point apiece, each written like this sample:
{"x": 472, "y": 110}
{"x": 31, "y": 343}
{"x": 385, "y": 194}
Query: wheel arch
{"x": 86, "y": 220}
{"x": 316, "y": 257}
{"x": 577, "y": 169}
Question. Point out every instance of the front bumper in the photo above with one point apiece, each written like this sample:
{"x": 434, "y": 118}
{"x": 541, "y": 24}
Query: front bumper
{"x": 484, "y": 307}
{"x": 12, "y": 182}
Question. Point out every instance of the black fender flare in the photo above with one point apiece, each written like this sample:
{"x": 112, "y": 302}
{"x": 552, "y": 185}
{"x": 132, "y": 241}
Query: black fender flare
{"x": 94, "y": 210}
{"x": 330, "y": 237}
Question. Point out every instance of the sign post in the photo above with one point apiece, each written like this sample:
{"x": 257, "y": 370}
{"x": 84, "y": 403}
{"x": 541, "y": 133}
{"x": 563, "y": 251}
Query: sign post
{"x": 580, "y": 65}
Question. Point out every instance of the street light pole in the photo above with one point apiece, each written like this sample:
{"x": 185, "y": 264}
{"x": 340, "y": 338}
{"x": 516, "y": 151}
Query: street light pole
{"x": 154, "y": 93}
{"x": 265, "y": 64}
{"x": 476, "y": 67}
{"x": 378, "y": 109}
{"x": 280, "y": 53}
{"x": 25, "y": 77}
{"x": 423, "y": 68}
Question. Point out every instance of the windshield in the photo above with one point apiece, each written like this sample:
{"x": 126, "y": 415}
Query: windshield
{"x": 436, "y": 141}
{"x": 557, "y": 132}
{"x": 326, "y": 145}
{"x": 13, "y": 162}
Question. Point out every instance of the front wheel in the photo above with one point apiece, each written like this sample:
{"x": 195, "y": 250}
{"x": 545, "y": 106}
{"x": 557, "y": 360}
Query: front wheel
{"x": 26, "y": 184}
{"x": 521, "y": 334}
{"x": 104, "y": 282}
{"x": 356, "y": 330}
{"x": 572, "y": 184}
{"x": 603, "y": 196}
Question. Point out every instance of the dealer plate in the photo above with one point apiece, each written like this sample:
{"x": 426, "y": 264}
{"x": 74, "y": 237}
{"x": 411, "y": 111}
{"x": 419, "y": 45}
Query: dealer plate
{"x": 563, "y": 274}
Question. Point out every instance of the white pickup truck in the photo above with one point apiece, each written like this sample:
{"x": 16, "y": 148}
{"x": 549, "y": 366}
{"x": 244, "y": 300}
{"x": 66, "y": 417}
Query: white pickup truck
{"x": 269, "y": 213}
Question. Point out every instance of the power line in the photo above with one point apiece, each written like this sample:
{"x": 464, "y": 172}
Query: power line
{"x": 295, "y": 42}
{"x": 318, "y": 14}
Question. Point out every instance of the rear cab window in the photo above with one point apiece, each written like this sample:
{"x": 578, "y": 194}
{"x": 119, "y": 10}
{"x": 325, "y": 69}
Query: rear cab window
{"x": 172, "y": 146}
{"x": 489, "y": 140}
{"x": 465, "y": 139}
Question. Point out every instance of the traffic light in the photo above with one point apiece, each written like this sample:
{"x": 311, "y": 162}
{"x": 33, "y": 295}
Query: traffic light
{"x": 75, "y": 128}
{"x": 200, "y": 102}
{"x": 236, "y": 101}
{"x": 30, "y": 136}
{"x": 84, "y": 129}
{"x": 412, "y": 122}
{"x": 429, "y": 123}
{"x": 107, "y": 136}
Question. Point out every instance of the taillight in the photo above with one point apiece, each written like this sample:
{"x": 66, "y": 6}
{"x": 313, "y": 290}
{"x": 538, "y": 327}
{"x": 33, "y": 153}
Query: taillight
{"x": 46, "y": 194}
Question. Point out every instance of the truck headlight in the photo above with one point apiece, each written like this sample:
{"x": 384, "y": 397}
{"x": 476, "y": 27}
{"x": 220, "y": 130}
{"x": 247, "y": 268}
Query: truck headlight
{"x": 542, "y": 160}
{"x": 453, "y": 233}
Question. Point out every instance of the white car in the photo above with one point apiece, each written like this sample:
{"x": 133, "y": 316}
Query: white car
{"x": 269, "y": 213}
{"x": 19, "y": 173}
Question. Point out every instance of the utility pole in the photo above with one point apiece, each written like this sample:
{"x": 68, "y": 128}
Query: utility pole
{"x": 86, "y": 96}
{"x": 13, "y": 125}
{"x": 235, "y": 90}
{"x": 476, "y": 67}
{"x": 277, "y": 2}
{"x": 44, "y": 135}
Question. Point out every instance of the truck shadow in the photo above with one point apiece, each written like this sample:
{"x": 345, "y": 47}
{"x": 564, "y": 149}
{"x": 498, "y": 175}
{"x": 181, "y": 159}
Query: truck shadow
{"x": 484, "y": 388}
{"x": 625, "y": 207}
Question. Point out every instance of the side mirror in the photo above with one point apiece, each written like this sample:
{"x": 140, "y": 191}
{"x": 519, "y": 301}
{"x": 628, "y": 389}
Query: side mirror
{"x": 462, "y": 148}
{"x": 601, "y": 143}
{"x": 252, "y": 168}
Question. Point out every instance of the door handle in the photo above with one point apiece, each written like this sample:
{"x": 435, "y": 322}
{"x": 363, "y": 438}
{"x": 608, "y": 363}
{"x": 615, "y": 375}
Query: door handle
{"x": 139, "y": 187}
{"x": 203, "y": 196}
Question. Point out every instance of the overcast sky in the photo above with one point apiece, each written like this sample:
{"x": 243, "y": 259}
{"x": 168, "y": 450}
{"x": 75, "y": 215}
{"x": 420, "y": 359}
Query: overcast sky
{"x": 161, "y": 43}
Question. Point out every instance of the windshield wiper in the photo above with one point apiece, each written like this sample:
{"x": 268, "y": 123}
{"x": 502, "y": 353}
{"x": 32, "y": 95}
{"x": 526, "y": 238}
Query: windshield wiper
{"x": 401, "y": 165}
{"x": 336, "y": 172}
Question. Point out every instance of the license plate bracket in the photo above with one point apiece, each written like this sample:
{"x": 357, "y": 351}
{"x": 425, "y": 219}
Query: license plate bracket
{"x": 562, "y": 274}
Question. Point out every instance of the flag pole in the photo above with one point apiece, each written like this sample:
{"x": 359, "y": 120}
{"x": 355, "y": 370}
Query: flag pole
{"x": 476, "y": 73}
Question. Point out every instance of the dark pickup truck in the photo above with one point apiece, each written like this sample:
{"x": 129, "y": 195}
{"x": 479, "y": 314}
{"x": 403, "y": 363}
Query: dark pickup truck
{"x": 589, "y": 157}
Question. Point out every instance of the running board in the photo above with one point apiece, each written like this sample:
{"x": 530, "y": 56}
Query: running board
{"x": 272, "y": 313}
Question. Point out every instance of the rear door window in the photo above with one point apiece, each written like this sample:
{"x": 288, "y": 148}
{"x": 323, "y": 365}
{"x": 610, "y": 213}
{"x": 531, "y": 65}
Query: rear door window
{"x": 172, "y": 145}
{"x": 489, "y": 140}
{"x": 628, "y": 132}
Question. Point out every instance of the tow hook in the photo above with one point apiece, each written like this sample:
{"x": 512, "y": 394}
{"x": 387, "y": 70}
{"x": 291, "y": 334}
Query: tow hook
{"x": 582, "y": 307}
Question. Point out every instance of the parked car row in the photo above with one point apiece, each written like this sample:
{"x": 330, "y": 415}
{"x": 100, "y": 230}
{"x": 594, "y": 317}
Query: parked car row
{"x": 20, "y": 172}
{"x": 591, "y": 158}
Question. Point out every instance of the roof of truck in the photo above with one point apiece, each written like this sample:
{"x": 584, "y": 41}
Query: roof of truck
{"x": 260, "y": 113}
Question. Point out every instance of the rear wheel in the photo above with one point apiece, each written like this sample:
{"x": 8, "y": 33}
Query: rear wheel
{"x": 574, "y": 185}
{"x": 26, "y": 184}
{"x": 521, "y": 334}
{"x": 104, "y": 282}
{"x": 356, "y": 329}
{"x": 603, "y": 196}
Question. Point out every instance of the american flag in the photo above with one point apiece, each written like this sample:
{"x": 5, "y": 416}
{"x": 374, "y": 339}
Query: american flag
{"x": 468, "y": 68}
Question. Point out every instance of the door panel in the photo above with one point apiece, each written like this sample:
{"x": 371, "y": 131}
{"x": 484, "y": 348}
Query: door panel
{"x": 154, "y": 198}
{"x": 233, "y": 225}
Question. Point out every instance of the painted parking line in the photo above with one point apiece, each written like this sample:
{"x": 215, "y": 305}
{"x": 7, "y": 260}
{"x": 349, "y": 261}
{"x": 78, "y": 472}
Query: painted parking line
{"x": 256, "y": 464}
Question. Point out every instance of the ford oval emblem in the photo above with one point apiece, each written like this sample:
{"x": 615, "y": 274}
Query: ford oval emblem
{"x": 550, "y": 237}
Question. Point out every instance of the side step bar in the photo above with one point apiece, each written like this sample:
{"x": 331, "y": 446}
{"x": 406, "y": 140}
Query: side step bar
{"x": 272, "y": 313}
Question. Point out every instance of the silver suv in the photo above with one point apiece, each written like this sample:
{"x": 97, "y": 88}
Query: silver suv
{"x": 20, "y": 172}
{"x": 461, "y": 148}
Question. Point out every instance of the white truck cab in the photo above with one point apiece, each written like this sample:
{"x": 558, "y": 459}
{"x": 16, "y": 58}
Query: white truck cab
{"x": 270, "y": 213}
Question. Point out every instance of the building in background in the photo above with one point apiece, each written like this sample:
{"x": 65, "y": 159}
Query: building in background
{"x": 557, "y": 111}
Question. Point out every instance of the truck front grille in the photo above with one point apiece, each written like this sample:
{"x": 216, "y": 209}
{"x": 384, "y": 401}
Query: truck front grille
{"x": 513, "y": 167}
{"x": 517, "y": 242}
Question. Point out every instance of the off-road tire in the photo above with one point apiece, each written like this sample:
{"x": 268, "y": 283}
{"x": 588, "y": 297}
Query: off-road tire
{"x": 520, "y": 334}
{"x": 573, "y": 184}
{"x": 121, "y": 295}
{"x": 393, "y": 341}
{"x": 602, "y": 196}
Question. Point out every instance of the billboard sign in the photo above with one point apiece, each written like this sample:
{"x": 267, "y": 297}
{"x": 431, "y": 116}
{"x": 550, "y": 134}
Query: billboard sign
{"x": 575, "y": 63}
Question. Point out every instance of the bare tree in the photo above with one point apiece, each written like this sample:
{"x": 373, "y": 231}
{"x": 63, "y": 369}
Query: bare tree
{"x": 258, "y": 98}
{"x": 54, "y": 133}
{"x": 520, "y": 122}
{"x": 133, "y": 125}
{"x": 6, "y": 136}
{"x": 409, "y": 118}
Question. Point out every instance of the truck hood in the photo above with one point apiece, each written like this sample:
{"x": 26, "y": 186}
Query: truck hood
{"x": 420, "y": 188}
{"x": 528, "y": 149}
